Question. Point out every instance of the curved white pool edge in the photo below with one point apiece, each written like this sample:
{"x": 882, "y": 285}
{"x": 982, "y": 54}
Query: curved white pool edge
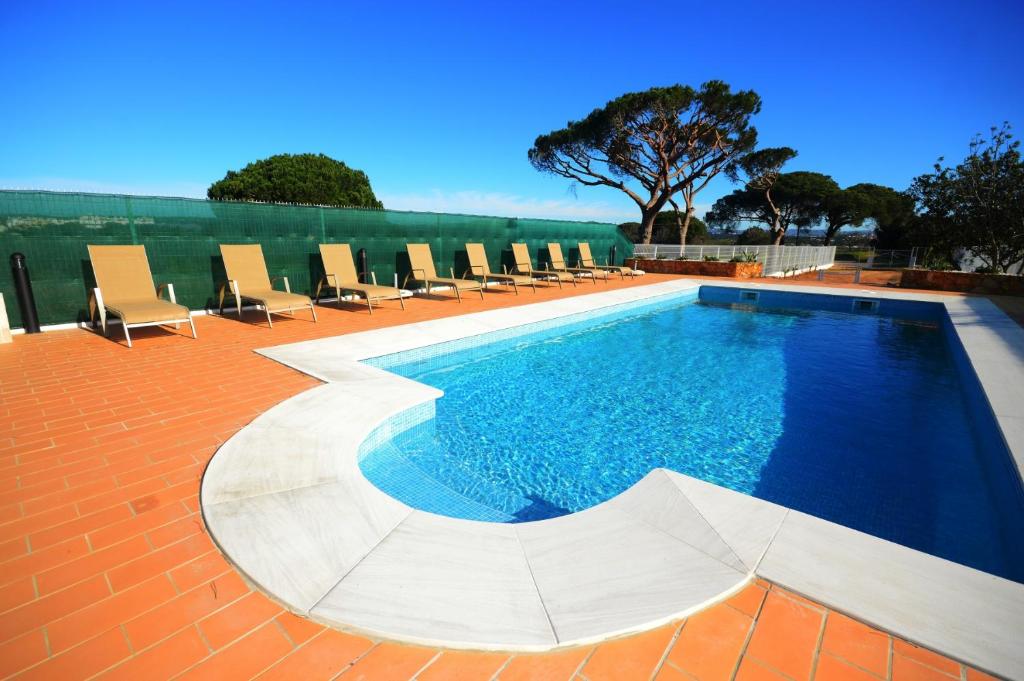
{"x": 288, "y": 504}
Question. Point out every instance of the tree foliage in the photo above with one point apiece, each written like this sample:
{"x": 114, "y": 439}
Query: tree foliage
{"x": 793, "y": 199}
{"x": 977, "y": 205}
{"x": 653, "y": 144}
{"x": 754, "y": 236}
{"x": 666, "y": 229}
{"x": 298, "y": 178}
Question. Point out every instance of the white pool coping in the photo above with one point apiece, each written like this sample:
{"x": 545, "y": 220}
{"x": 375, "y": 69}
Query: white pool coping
{"x": 287, "y": 502}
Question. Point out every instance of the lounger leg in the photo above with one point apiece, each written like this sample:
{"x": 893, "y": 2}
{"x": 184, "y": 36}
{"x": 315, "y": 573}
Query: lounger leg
{"x": 369, "y": 304}
{"x": 220, "y": 294}
{"x": 269, "y": 320}
{"x": 313, "y": 310}
{"x": 127, "y": 336}
{"x": 238, "y": 302}
{"x": 458, "y": 295}
{"x": 481, "y": 289}
{"x": 515, "y": 288}
{"x": 193, "y": 325}
{"x": 401, "y": 300}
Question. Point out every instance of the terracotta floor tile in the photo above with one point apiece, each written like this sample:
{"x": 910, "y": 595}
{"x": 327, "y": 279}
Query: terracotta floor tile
{"x": 975, "y": 675}
{"x": 180, "y": 611}
{"x": 390, "y": 661}
{"x": 232, "y": 621}
{"x": 92, "y": 564}
{"x": 243, "y": 659}
{"x": 17, "y": 593}
{"x": 857, "y": 643}
{"x": 298, "y": 629}
{"x": 455, "y": 665}
{"x": 908, "y": 669}
{"x": 49, "y": 608}
{"x": 199, "y": 570}
{"x": 710, "y": 643}
{"x": 556, "y": 666}
{"x": 165, "y": 659}
{"x": 22, "y": 652}
{"x": 91, "y": 657}
{"x": 833, "y": 669}
{"x": 786, "y": 636}
{"x": 324, "y": 657}
{"x": 925, "y": 657}
{"x": 752, "y": 670}
{"x": 669, "y": 673}
{"x": 749, "y": 600}
{"x": 629, "y": 658}
{"x": 108, "y": 612}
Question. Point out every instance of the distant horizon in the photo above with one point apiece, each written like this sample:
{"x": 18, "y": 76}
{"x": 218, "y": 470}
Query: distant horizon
{"x": 439, "y": 105}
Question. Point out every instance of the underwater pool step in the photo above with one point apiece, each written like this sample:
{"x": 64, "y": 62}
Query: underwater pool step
{"x": 391, "y": 471}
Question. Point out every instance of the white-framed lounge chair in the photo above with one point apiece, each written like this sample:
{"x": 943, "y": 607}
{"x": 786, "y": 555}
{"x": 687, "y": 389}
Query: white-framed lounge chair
{"x": 524, "y": 265}
{"x": 587, "y": 260}
{"x": 248, "y": 281}
{"x": 340, "y": 274}
{"x": 422, "y": 263}
{"x": 124, "y": 288}
{"x": 479, "y": 267}
{"x": 558, "y": 264}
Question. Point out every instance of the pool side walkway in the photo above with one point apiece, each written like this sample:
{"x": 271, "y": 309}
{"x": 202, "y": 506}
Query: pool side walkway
{"x": 107, "y": 571}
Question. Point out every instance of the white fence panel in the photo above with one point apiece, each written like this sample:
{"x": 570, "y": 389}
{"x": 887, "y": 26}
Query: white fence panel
{"x": 778, "y": 261}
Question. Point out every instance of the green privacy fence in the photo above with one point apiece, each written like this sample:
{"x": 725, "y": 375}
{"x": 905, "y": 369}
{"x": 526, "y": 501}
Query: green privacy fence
{"x": 181, "y": 237}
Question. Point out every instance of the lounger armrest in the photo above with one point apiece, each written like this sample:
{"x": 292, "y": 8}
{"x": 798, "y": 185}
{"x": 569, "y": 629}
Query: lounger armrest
{"x": 287, "y": 286}
{"x": 170, "y": 292}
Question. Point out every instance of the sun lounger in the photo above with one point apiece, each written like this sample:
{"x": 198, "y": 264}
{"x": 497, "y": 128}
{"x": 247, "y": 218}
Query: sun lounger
{"x": 340, "y": 274}
{"x": 248, "y": 280}
{"x": 558, "y": 264}
{"x": 422, "y": 263}
{"x": 524, "y": 265}
{"x": 124, "y": 288}
{"x": 479, "y": 267}
{"x": 587, "y": 260}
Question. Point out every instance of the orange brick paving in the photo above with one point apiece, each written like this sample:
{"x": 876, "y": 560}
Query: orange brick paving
{"x": 106, "y": 569}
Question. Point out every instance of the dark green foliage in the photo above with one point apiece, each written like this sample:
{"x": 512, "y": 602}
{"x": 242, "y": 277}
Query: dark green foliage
{"x": 794, "y": 199}
{"x": 301, "y": 178}
{"x": 666, "y": 230}
{"x": 653, "y": 144}
{"x": 754, "y": 236}
{"x": 977, "y": 205}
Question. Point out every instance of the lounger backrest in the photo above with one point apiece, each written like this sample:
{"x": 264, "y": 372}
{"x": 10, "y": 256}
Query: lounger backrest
{"x": 555, "y": 253}
{"x": 244, "y": 263}
{"x": 122, "y": 272}
{"x": 585, "y": 257}
{"x": 338, "y": 261}
{"x": 522, "y": 257}
{"x": 477, "y": 259}
{"x": 421, "y": 261}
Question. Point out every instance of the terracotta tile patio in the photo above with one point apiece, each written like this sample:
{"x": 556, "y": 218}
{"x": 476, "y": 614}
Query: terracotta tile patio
{"x": 106, "y": 569}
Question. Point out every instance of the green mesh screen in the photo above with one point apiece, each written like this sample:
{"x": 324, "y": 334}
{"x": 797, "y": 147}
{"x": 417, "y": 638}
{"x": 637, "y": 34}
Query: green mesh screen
{"x": 182, "y": 235}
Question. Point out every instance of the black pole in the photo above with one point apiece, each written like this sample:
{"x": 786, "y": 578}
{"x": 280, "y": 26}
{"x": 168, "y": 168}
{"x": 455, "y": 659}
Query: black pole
{"x": 23, "y": 290}
{"x": 611, "y": 255}
{"x": 364, "y": 271}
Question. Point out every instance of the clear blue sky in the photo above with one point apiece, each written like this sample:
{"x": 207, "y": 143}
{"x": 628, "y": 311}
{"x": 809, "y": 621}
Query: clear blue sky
{"x": 439, "y": 104}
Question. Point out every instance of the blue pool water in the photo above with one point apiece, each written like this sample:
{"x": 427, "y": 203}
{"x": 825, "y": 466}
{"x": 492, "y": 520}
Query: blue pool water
{"x": 869, "y": 419}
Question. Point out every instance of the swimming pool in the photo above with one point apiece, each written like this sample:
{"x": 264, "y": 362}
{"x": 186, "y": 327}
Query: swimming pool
{"x": 868, "y": 418}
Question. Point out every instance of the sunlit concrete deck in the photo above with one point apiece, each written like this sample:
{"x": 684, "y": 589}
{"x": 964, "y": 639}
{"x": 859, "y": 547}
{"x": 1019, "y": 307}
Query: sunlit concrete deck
{"x": 106, "y": 568}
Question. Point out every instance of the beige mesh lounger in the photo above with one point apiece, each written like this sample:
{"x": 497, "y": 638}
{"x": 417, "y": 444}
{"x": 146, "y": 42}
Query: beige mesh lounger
{"x": 558, "y": 264}
{"x": 124, "y": 288}
{"x": 587, "y": 260}
{"x": 422, "y": 263}
{"x": 524, "y": 265}
{"x": 340, "y": 274}
{"x": 479, "y": 267}
{"x": 248, "y": 280}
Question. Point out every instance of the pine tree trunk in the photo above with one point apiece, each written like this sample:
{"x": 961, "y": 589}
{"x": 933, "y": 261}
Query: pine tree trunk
{"x": 647, "y": 225}
{"x": 684, "y": 227}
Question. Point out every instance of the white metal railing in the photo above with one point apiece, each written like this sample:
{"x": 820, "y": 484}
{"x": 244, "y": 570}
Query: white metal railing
{"x": 777, "y": 260}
